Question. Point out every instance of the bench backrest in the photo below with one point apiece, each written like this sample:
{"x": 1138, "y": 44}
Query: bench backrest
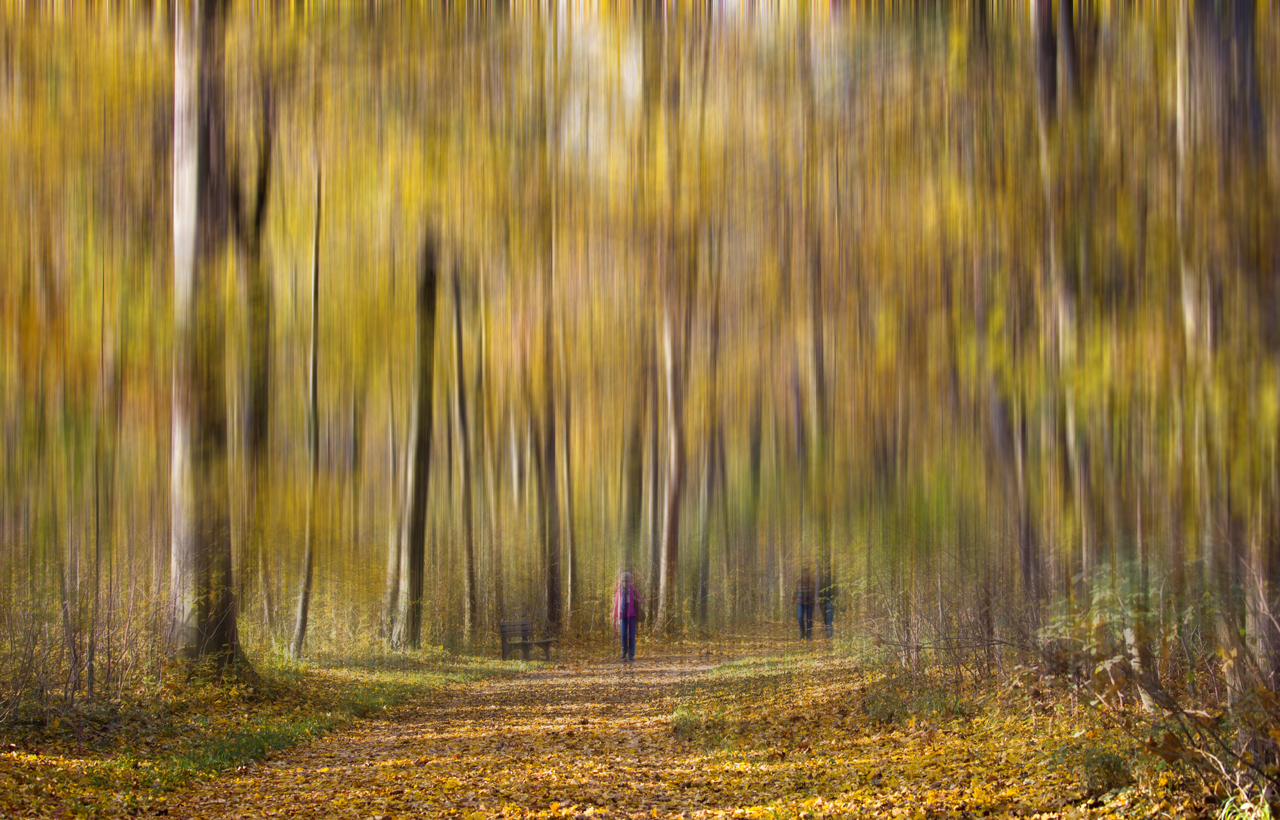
{"x": 516, "y": 629}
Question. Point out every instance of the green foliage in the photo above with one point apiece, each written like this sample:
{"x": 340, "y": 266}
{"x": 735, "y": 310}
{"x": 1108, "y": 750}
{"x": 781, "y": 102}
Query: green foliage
{"x": 1099, "y": 768}
{"x": 1243, "y": 808}
{"x": 897, "y": 697}
{"x": 197, "y": 720}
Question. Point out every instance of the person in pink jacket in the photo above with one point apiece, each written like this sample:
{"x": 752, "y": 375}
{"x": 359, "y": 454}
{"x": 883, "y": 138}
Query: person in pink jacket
{"x": 626, "y": 610}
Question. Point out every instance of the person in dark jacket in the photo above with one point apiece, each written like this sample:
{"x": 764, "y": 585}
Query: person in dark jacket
{"x": 626, "y": 614}
{"x": 827, "y": 604}
{"x": 805, "y": 594}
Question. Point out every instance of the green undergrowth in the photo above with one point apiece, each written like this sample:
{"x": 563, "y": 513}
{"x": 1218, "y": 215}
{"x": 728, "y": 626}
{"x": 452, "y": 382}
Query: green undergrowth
{"x": 189, "y": 721}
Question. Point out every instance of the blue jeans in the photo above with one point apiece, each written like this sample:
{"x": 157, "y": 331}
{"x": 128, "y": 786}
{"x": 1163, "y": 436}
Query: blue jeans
{"x": 829, "y": 616}
{"x": 628, "y": 638}
{"x": 804, "y": 614}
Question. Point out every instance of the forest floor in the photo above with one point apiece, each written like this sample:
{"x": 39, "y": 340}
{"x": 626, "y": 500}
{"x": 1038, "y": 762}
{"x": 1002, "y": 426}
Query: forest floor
{"x": 695, "y": 734}
{"x": 686, "y": 732}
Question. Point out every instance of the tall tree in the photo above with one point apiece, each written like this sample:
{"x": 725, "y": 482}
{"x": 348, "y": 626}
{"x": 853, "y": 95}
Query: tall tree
{"x": 464, "y": 461}
{"x": 203, "y": 614}
{"x": 408, "y": 627}
{"x": 548, "y": 170}
{"x": 679, "y": 272}
{"x": 812, "y": 218}
{"x": 249, "y": 220}
{"x": 313, "y": 449}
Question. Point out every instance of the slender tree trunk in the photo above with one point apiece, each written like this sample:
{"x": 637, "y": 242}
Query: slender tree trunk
{"x": 391, "y": 602}
{"x": 633, "y": 471}
{"x": 391, "y": 593}
{"x": 313, "y": 449}
{"x": 492, "y": 458}
{"x": 812, "y": 210}
{"x": 572, "y": 591}
{"x": 655, "y": 472}
{"x": 712, "y": 458}
{"x": 548, "y": 169}
{"x": 408, "y": 633}
{"x": 667, "y": 618}
{"x": 703, "y": 597}
{"x": 259, "y": 319}
{"x": 464, "y": 477}
{"x": 753, "y": 545}
{"x": 91, "y": 664}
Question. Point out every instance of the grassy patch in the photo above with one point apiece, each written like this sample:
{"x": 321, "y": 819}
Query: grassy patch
{"x": 186, "y": 723}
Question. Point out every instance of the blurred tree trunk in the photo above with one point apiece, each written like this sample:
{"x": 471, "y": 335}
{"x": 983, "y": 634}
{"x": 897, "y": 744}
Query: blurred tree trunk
{"x": 633, "y": 466}
{"x": 413, "y": 538}
{"x": 752, "y": 563}
{"x": 651, "y": 90}
{"x": 1205, "y": 116}
{"x": 811, "y": 207}
{"x": 391, "y": 590}
{"x": 655, "y": 470}
{"x": 491, "y": 458}
{"x": 1061, "y": 326}
{"x": 203, "y": 614}
{"x": 548, "y": 169}
{"x": 666, "y": 620}
{"x": 313, "y": 449}
{"x": 572, "y": 592}
{"x": 678, "y": 270}
{"x": 464, "y": 477}
{"x": 249, "y": 223}
{"x": 711, "y": 477}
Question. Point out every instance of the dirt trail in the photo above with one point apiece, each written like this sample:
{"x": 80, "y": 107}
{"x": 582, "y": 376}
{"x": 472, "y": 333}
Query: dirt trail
{"x": 576, "y": 736}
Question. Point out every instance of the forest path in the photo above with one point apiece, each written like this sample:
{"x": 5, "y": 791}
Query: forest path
{"x": 780, "y": 734}
{"x": 579, "y": 734}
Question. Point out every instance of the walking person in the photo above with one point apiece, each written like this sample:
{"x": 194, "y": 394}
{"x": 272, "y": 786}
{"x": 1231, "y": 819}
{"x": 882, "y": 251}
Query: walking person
{"x": 804, "y": 595}
{"x": 827, "y": 603}
{"x": 626, "y": 613}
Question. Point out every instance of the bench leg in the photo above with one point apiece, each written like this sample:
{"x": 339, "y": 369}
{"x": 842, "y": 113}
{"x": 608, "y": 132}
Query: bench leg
{"x": 546, "y": 650}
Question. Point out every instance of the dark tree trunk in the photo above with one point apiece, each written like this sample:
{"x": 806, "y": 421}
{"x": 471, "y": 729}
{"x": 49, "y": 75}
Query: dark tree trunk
{"x": 655, "y": 471}
{"x": 548, "y": 172}
{"x": 313, "y": 449}
{"x": 408, "y": 631}
{"x": 249, "y": 224}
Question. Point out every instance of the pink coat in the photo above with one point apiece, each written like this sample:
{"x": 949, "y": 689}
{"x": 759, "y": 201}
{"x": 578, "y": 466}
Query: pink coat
{"x": 626, "y": 601}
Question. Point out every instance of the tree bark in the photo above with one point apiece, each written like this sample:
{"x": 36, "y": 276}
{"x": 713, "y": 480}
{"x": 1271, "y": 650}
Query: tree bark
{"x": 492, "y": 459}
{"x": 548, "y": 170}
{"x": 313, "y": 449}
{"x": 666, "y": 620}
{"x": 633, "y": 470}
{"x": 259, "y": 310}
{"x": 391, "y": 593}
{"x": 812, "y": 211}
{"x": 572, "y": 591}
{"x": 203, "y": 607}
{"x": 464, "y": 462}
{"x": 408, "y": 628}
{"x": 655, "y": 469}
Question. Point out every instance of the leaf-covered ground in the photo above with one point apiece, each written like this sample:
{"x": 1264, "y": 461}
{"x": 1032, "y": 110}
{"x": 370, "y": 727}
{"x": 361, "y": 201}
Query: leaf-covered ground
{"x": 695, "y": 734}
{"x": 128, "y": 754}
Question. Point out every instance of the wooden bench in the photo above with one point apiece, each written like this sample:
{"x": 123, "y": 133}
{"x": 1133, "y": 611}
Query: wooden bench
{"x": 520, "y": 634}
